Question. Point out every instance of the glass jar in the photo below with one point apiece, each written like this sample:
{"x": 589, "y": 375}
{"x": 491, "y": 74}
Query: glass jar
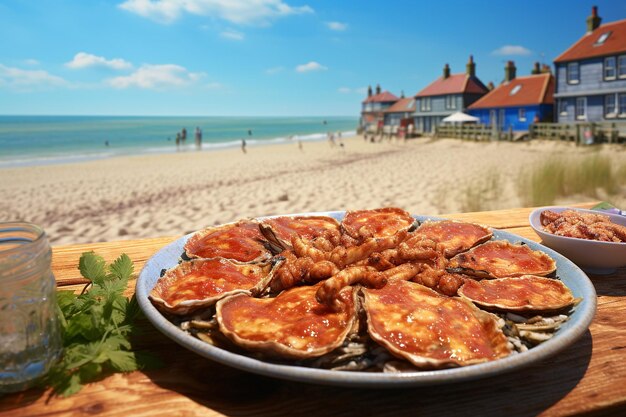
{"x": 29, "y": 334}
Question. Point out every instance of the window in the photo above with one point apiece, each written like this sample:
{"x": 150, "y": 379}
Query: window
{"x": 493, "y": 117}
{"x": 602, "y": 38}
{"x": 425, "y": 105}
{"x": 515, "y": 90}
{"x": 581, "y": 103}
{"x": 609, "y": 106}
{"x": 609, "y": 68}
{"x": 563, "y": 107}
{"x": 450, "y": 102}
{"x": 573, "y": 75}
{"x": 621, "y": 66}
{"x": 522, "y": 114}
{"x": 622, "y": 104}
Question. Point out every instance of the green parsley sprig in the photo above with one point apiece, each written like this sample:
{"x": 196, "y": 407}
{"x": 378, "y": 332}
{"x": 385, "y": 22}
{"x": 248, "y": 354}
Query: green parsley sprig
{"x": 96, "y": 327}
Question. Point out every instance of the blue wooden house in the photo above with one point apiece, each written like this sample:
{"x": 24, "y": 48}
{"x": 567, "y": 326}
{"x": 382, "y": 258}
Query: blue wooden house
{"x": 448, "y": 94}
{"x": 591, "y": 74}
{"x": 518, "y": 101}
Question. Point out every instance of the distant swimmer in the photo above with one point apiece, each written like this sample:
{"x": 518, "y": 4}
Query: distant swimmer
{"x": 249, "y": 132}
{"x": 106, "y": 143}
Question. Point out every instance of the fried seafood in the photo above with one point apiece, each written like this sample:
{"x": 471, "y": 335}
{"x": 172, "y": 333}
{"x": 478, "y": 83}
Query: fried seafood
{"x": 363, "y": 224}
{"x": 581, "y": 225}
{"x": 281, "y": 230}
{"x": 453, "y": 236}
{"x": 499, "y": 259}
{"x": 241, "y": 241}
{"x": 431, "y": 330}
{"x": 201, "y": 282}
{"x": 525, "y": 293}
{"x": 292, "y": 325}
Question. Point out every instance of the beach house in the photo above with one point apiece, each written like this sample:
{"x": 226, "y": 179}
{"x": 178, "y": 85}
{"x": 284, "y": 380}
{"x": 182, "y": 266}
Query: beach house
{"x": 400, "y": 113}
{"x": 591, "y": 74}
{"x": 518, "y": 101}
{"x": 374, "y": 106}
{"x": 448, "y": 94}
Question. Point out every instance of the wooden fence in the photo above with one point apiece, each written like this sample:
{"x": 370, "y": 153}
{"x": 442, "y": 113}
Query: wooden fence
{"x": 580, "y": 133}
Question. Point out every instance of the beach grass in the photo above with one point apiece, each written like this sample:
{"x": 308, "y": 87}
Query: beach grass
{"x": 481, "y": 195}
{"x": 591, "y": 175}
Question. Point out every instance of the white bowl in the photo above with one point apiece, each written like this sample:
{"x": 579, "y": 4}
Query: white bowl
{"x": 591, "y": 255}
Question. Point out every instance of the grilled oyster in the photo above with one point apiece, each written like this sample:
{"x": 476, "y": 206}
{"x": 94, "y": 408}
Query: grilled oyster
{"x": 280, "y": 230}
{"x": 525, "y": 293}
{"x": 292, "y": 325}
{"x": 431, "y": 330}
{"x": 201, "y": 282}
{"x": 453, "y": 236}
{"x": 382, "y": 222}
{"x": 241, "y": 241}
{"x": 500, "y": 259}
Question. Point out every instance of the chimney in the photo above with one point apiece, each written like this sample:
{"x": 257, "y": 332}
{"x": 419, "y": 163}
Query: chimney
{"x": 593, "y": 21}
{"x": 545, "y": 68}
{"x": 471, "y": 67}
{"x": 509, "y": 71}
{"x": 490, "y": 86}
{"x": 536, "y": 69}
{"x": 377, "y": 89}
{"x": 369, "y": 90}
{"x": 402, "y": 94}
{"x": 446, "y": 71}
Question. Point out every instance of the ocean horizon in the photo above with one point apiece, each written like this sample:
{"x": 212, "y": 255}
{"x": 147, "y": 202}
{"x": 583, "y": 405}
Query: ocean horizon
{"x": 43, "y": 140}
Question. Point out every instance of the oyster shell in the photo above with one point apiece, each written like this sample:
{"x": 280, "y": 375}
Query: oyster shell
{"x": 454, "y": 236}
{"x": 382, "y": 222}
{"x": 241, "y": 241}
{"x": 431, "y": 330}
{"x": 280, "y": 230}
{"x": 525, "y": 293}
{"x": 292, "y": 325}
{"x": 500, "y": 259}
{"x": 201, "y": 282}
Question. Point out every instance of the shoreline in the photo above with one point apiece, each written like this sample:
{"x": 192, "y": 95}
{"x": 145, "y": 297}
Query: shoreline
{"x": 171, "y": 194}
{"x": 170, "y": 148}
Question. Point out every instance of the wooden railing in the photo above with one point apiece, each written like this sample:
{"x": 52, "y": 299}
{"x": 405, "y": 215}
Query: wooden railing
{"x": 580, "y": 133}
{"x": 476, "y": 132}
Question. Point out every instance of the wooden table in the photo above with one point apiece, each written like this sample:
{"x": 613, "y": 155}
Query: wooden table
{"x": 588, "y": 378}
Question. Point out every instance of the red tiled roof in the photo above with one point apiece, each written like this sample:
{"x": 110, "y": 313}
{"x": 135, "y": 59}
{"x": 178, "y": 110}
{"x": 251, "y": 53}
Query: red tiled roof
{"x": 402, "y": 106}
{"x": 534, "y": 89}
{"x": 586, "y": 46}
{"x": 385, "y": 96}
{"x": 454, "y": 84}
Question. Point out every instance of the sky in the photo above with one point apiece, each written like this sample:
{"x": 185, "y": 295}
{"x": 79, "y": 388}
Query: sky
{"x": 263, "y": 57}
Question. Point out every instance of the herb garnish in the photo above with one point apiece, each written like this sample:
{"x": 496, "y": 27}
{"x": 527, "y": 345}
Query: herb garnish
{"x": 96, "y": 326}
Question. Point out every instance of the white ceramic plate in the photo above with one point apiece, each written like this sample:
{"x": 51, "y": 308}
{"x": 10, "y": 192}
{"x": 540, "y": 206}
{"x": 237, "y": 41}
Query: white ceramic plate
{"x": 569, "y": 273}
{"x": 591, "y": 255}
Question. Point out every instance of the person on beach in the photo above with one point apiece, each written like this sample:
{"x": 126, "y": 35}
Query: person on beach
{"x": 243, "y": 146}
{"x": 300, "y": 145}
{"x": 198, "y": 137}
{"x": 177, "y": 141}
{"x": 331, "y": 139}
{"x": 183, "y": 135}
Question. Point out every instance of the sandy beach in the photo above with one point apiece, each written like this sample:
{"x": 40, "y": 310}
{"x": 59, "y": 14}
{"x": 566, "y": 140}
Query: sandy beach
{"x": 173, "y": 194}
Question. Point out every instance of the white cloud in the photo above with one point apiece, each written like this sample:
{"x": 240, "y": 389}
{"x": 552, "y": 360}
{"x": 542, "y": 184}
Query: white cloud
{"x": 232, "y": 35}
{"x": 338, "y": 26}
{"x": 32, "y": 62}
{"x": 348, "y": 90}
{"x": 28, "y": 79}
{"x": 246, "y": 12}
{"x": 157, "y": 77}
{"x": 508, "y": 50}
{"x": 85, "y": 60}
{"x": 311, "y": 66}
{"x": 274, "y": 70}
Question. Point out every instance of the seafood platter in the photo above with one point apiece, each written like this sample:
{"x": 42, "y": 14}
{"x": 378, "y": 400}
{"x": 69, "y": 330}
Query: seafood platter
{"x": 365, "y": 298}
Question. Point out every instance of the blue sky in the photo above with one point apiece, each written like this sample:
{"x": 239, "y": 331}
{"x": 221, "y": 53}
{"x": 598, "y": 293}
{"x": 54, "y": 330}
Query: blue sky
{"x": 262, "y": 57}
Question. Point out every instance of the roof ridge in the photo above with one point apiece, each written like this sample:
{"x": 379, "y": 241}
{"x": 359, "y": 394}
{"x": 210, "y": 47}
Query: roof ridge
{"x": 544, "y": 89}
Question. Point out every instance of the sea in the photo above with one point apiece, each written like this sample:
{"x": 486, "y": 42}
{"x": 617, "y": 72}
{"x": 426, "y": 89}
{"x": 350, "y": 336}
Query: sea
{"x": 41, "y": 140}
